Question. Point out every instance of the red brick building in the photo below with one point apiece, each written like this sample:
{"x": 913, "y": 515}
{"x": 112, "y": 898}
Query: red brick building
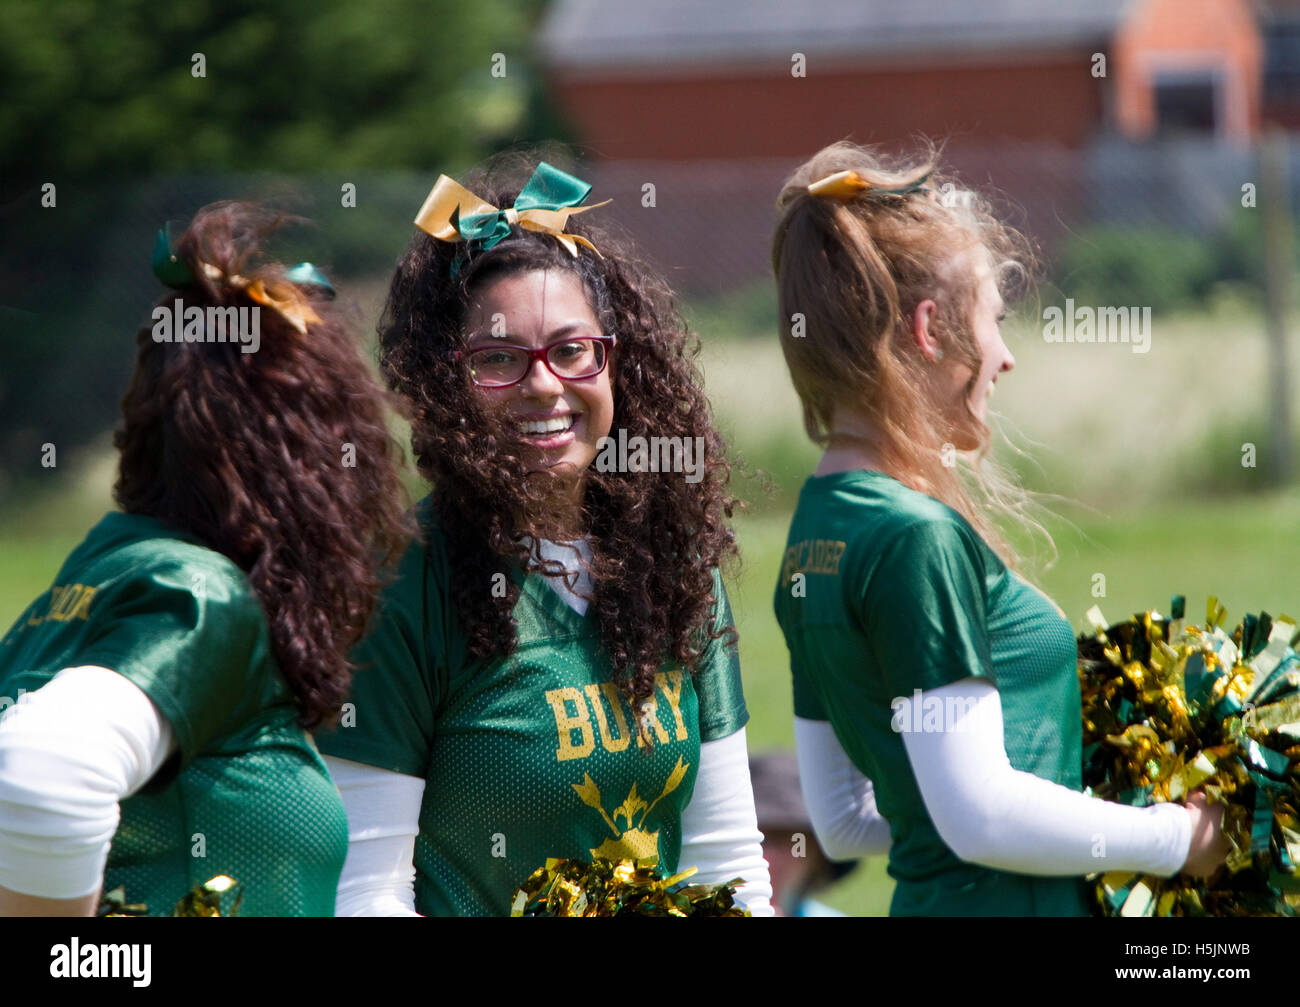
{"x": 717, "y": 100}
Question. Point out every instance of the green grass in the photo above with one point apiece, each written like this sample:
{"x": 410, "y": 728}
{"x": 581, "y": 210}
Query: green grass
{"x": 50, "y": 516}
{"x": 764, "y": 665}
{"x": 30, "y": 566}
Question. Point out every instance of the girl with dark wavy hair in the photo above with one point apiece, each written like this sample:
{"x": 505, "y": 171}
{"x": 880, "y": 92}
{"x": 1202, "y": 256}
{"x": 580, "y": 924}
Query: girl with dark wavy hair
{"x": 188, "y": 646}
{"x": 553, "y": 673}
{"x": 937, "y": 710}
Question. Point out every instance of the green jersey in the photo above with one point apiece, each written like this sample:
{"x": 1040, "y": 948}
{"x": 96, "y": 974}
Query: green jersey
{"x": 884, "y": 591}
{"x": 531, "y": 756}
{"x": 246, "y": 794}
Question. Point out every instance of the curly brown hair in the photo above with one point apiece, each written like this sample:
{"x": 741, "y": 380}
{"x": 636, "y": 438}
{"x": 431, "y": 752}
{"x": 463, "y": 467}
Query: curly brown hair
{"x": 280, "y": 459}
{"x": 655, "y": 539}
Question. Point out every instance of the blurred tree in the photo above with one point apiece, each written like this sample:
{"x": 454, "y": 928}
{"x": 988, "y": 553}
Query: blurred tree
{"x": 108, "y": 87}
{"x": 106, "y": 100}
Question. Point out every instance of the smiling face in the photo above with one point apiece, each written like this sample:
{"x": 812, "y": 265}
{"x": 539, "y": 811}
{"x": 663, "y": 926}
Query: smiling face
{"x": 995, "y": 358}
{"x": 560, "y": 422}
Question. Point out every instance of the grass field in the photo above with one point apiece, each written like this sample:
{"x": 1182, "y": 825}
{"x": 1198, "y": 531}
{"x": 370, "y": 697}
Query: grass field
{"x": 1145, "y": 449}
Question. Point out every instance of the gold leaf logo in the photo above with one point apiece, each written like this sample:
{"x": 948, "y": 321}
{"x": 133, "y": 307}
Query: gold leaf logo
{"x": 634, "y": 841}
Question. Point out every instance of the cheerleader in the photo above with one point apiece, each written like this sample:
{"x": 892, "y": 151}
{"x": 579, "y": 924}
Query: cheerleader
{"x": 553, "y": 672}
{"x": 922, "y": 662}
{"x": 170, "y": 677}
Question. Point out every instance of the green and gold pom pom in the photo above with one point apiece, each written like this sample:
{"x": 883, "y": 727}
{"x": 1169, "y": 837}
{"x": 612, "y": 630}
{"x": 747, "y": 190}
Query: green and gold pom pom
{"x": 619, "y": 888}
{"x": 1172, "y": 709}
{"x": 206, "y": 899}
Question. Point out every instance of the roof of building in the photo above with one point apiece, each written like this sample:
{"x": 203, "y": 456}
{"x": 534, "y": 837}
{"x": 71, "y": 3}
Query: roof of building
{"x": 600, "y": 34}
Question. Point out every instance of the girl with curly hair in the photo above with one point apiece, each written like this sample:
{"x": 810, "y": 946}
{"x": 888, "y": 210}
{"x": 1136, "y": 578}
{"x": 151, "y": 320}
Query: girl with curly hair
{"x": 922, "y": 662}
{"x": 553, "y": 673}
{"x": 169, "y": 680}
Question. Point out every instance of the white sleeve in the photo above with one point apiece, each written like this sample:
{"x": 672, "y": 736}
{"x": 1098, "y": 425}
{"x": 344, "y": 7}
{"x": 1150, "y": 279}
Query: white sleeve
{"x": 383, "y": 820}
{"x": 841, "y": 801}
{"x": 69, "y": 752}
{"x": 989, "y": 813}
{"x": 720, "y": 827}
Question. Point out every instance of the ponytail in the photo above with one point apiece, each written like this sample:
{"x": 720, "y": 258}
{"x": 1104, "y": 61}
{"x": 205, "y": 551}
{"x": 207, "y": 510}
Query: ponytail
{"x": 276, "y": 455}
{"x": 852, "y": 263}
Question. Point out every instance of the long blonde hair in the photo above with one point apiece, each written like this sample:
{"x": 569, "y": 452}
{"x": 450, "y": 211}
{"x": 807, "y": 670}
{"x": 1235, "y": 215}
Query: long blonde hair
{"x": 850, "y": 272}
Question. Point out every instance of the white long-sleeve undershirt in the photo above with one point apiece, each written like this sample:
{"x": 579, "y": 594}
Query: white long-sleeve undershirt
{"x": 70, "y": 752}
{"x": 383, "y": 810}
{"x": 841, "y": 801}
{"x": 986, "y": 811}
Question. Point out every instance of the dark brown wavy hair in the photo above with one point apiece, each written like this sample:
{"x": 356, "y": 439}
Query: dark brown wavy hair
{"x": 249, "y": 453}
{"x": 655, "y": 538}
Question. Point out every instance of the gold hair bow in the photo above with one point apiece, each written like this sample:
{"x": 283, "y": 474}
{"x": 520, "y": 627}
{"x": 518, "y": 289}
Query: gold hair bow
{"x": 284, "y": 298}
{"x": 453, "y": 213}
{"x": 846, "y": 185}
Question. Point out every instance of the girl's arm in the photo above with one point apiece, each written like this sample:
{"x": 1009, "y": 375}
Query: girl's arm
{"x": 989, "y": 813}
{"x": 720, "y": 828}
{"x": 69, "y": 753}
{"x": 841, "y": 801}
{"x": 383, "y": 820}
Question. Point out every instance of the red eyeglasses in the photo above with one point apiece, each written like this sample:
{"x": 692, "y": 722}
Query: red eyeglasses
{"x": 502, "y": 365}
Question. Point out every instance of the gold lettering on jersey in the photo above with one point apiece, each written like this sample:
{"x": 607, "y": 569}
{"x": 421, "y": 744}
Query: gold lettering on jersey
{"x": 82, "y": 609}
{"x": 57, "y": 594}
{"x": 573, "y": 713}
{"x": 674, "y": 697}
{"x": 67, "y": 602}
{"x": 566, "y": 724}
{"x": 610, "y": 744}
{"x": 816, "y": 555}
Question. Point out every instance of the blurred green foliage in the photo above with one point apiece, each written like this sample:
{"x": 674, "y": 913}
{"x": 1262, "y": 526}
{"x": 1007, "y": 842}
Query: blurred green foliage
{"x": 108, "y": 87}
{"x": 748, "y": 312}
{"x": 102, "y": 102}
{"x": 1162, "y": 269}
